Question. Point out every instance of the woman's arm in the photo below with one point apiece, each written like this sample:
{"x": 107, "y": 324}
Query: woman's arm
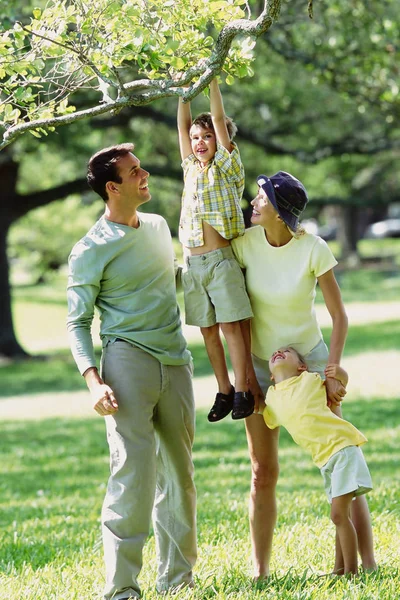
{"x": 333, "y": 300}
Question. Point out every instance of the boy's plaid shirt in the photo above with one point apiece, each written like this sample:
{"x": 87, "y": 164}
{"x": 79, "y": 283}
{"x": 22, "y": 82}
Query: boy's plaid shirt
{"x": 212, "y": 194}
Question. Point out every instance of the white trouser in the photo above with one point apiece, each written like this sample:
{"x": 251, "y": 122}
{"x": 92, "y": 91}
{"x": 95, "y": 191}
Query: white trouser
{"x": 150, "y": 439}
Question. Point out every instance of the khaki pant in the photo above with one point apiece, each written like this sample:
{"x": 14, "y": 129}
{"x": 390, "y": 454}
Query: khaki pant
{"x": 150, "y": 440}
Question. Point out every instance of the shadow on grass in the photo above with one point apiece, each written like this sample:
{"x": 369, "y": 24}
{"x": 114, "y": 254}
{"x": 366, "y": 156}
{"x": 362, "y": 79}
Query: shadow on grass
{"x": 47, "y": 293}
{"x": 371, "y": 285}
{"x": 58, "y": 372}
{"x": 374, "y": 337}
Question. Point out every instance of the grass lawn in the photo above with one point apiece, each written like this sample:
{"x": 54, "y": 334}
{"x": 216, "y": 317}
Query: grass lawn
{"x": 53, "y": 474}
{"x": 56, "y": 370}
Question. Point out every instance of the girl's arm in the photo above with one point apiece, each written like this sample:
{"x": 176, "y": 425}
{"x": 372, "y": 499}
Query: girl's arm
{"x": 333, "y": 300}
{"x": 184, "y": 124}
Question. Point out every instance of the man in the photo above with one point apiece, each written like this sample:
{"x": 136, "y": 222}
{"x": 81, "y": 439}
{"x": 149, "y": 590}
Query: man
{"x": 125, "y": 267}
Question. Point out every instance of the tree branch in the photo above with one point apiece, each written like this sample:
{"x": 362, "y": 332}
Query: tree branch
{"x": 142, "y": 92}
{"x": 23, "y": 203}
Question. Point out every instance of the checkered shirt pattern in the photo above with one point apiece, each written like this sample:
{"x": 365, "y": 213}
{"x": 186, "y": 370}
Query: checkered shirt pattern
{"x": 212, "y": 194}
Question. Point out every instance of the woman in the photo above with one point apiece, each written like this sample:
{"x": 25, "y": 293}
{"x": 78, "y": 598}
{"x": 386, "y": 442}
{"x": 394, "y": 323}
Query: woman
{"x": 283, "y": 264}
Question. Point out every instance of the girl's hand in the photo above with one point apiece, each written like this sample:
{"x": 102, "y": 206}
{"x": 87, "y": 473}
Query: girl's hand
{"x": 335, "y": 391}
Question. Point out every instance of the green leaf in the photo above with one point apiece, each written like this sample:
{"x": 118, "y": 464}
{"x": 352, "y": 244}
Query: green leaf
{"x": 178, "y": 63}
{"x": 35, "y": 133}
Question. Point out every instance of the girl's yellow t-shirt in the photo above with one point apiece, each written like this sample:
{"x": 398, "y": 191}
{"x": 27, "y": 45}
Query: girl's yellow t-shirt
{"x": 299, "y": 404}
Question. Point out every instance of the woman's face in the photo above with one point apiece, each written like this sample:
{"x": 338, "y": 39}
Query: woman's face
{"x": 263, "y": 210}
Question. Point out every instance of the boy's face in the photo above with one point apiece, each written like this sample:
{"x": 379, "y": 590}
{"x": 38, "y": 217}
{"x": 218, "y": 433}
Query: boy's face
{"x": 204, "y": 143}
{"x": 287, "y": 359}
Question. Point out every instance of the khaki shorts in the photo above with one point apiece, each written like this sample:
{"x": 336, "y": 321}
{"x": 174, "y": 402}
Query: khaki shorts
{"x": 346, "y": 471}
{"x": 214, "y": 289}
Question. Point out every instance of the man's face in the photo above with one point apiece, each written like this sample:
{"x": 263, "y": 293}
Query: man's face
{"x": 204, "y": 143}
{"x": 134, "y": 186}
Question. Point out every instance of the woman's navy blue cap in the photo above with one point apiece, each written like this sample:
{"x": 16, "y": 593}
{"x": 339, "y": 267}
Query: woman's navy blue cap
{"x": 287, "y": 194}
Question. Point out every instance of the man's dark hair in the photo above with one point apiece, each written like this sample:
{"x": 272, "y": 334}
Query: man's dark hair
{"x": 204, "y": 120}
{"x": 103, "y": 167}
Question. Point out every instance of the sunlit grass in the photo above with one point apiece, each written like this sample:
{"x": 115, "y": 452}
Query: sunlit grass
{"x": 52, "y": 482}
{"x": 53, "y": 474}
{"x": 55, "y": 370}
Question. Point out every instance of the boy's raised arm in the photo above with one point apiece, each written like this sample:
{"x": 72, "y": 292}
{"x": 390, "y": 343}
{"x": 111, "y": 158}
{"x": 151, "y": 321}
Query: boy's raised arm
{"x": 218, "y": 116}
{"x": 184, "y": 124}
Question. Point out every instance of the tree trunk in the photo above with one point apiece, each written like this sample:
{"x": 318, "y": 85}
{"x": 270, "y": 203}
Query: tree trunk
{"x": 9, "y": 346}
{"x": 348, "y": 234}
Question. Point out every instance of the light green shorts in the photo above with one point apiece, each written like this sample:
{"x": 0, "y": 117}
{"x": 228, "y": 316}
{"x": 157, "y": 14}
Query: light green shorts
{"x": 214, "y": 289}
{"x": 346, "y": 471}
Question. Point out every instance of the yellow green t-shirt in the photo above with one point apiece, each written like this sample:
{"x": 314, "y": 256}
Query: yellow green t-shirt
{"x": 281, "y": 286}
{"x": 299, "y": 404}
{"x": 128, "y": 275}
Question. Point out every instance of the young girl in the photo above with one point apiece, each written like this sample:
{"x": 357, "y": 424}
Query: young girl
{"x": 297, "y": 400}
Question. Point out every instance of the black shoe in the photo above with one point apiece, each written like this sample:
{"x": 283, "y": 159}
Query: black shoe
{"x": 243, "y": 405}
{"x": 222, "y": 406}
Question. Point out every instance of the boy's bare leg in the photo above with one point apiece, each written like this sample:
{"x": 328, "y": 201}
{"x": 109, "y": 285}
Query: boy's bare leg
{"x": 216, "y": 355}
{"x": 237, "y": 352}
{"x": 361, "y": 518}
{"x": 340, "y": 515}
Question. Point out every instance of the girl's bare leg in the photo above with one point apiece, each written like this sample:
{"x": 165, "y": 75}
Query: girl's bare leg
{"x": 338, "y": 569}
{"x": 340, "y": 515}
{"x": 361, "y": 518}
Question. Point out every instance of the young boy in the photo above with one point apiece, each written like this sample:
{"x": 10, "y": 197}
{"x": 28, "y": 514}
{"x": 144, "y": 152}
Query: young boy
{"x": 297, "y": 400}
{"x": 213, "y": 283}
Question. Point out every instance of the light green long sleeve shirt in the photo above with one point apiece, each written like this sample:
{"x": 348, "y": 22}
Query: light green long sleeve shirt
{"x": 129, "y": 276}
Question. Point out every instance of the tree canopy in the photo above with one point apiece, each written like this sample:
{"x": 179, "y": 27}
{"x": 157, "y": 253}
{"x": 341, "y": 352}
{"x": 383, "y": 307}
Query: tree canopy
{"x": 120, "y": 53}
{"x": 319, "y": 100}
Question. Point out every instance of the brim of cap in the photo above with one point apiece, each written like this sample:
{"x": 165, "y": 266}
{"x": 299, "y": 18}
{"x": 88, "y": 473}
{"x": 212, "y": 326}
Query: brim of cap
{"x": 291, "y": 220}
